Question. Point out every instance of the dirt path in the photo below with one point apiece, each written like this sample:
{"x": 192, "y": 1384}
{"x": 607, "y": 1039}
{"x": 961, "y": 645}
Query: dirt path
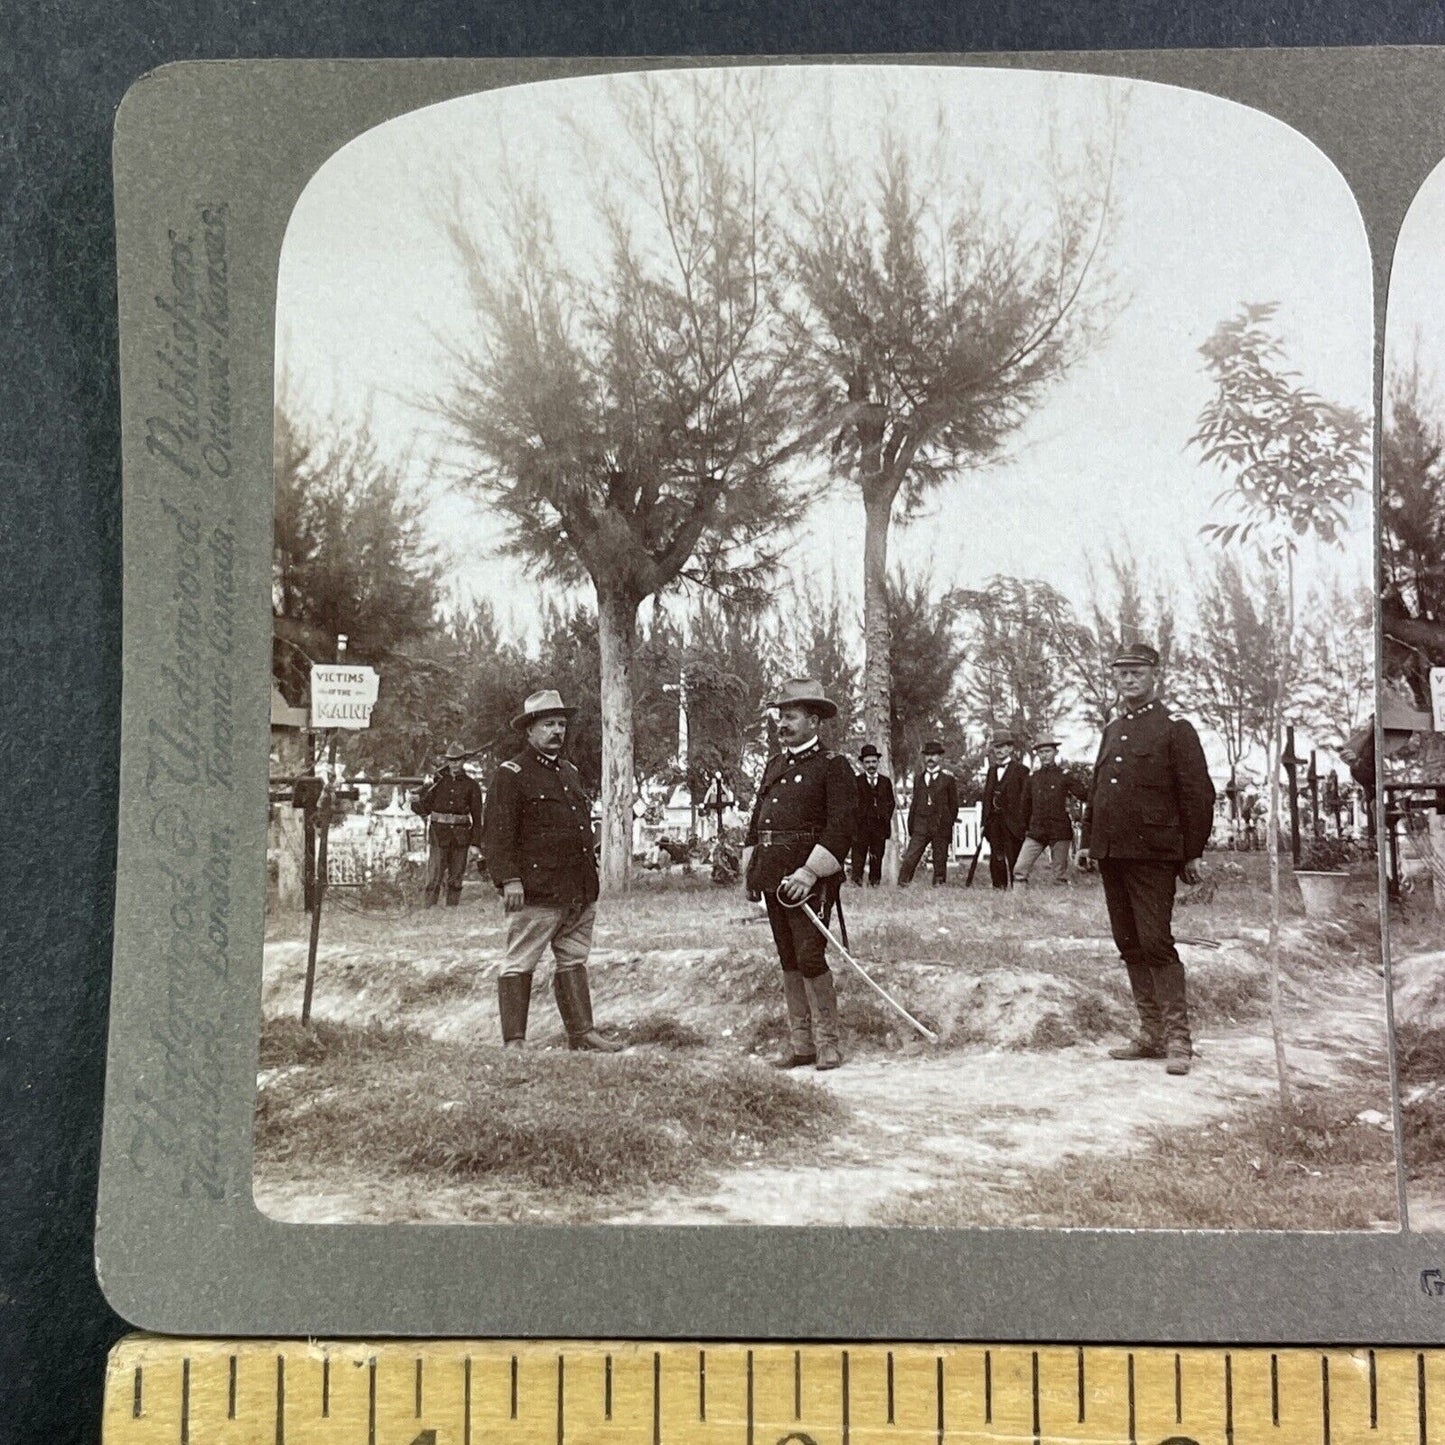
{"x": 984, "y": 1116}
{"x": 989, "y": 1116}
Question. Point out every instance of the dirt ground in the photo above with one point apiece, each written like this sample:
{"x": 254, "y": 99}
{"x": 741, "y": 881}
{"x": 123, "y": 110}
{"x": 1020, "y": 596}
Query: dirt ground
{"x": 1025, "y": 989}
{"x": 1418, "y": 975}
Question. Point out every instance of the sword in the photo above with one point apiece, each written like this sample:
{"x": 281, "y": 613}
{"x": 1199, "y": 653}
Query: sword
{"x": 863, "y": 972}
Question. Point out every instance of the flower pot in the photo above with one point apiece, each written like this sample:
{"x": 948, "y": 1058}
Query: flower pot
{"x": 1323, "y": 893}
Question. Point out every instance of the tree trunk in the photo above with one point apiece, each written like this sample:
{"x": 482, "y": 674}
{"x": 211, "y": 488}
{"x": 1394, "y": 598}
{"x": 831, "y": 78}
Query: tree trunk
{"x": 1276, "y": 1004}
{"x": 1435, "y": 850}
{"x": 877, "y": 651}
{"x": 877, "y": 641}
{"x": 290, "y": 827}
{"x": 616, "y": 631}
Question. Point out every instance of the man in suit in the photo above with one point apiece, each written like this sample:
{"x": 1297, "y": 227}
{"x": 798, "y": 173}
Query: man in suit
{"x": 875, "y": 818}
{"x": 539, "y": 849}
{"x": 1149, "y": 815}
{"x": 1003, "y": 821}
{"x": 452, "y": 805}
{"x": 932, "y": 812}
{"x": 798, "y": 837}
{"x": 1048, "y": 828}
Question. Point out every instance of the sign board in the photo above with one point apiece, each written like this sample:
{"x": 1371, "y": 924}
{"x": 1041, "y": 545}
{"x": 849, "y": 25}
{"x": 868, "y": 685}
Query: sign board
{"x": 1437, "y": 697}
{"x": 342, "y": 695}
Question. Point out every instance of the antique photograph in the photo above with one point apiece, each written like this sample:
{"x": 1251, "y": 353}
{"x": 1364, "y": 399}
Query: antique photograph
{"x": 823, "y": 664}
{"x": 1412, "y": 691}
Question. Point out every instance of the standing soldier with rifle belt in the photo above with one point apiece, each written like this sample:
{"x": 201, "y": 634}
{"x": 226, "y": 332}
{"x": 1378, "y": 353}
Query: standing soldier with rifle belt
{"x": 1149, "y": 815}
{"x": 452, "y": 805}
{"x": 932, "y": 812}
{"x": 798, "y": 836}
{"x": 540, "y": 854}
{"x": 1047, "y": 825}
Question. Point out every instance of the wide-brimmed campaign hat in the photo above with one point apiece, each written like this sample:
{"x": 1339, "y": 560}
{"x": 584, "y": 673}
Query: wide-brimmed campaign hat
{"x": 1136, "y": 654}
{"x": 805, "y": 692}
{"x": 1046, "y": 743}
{"x": 869, "y": 751}
{"x": 547, "y": 703}
{"x": 456, "y": 752}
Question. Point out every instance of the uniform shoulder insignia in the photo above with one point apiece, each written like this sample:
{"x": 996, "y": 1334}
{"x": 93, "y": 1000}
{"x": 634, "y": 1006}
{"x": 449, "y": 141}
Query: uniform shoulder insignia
{"x": 512, "y": 767}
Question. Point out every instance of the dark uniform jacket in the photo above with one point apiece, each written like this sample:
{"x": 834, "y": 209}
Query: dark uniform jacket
{"x": 875, "y": 807}
{"x": 1045, "y": 804}
{"x": 1151, "y": 796}
{"x": 539, "y": 830}
{"x": 1003, "y": 800}
{"x": 934, "y": 806}
{"x": 809, "y": 797}
{"x": 457, "y": 794}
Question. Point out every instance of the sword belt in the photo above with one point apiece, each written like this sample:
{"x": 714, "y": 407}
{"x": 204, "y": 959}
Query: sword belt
{"x": 768, "y": 838}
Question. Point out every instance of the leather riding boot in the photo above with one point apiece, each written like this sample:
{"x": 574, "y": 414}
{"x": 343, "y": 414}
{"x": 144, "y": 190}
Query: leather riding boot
{"x": 1150, "y": 1042}
{"x": 799, "y": 1049}
{"x": 823, "y": 1005}
{"x": 1169, "y": 989}
{"x": 574, "y": 1003}
{"x": 514, "y": 996}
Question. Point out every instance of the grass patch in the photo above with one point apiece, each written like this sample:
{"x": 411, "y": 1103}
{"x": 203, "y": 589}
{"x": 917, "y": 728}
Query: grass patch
{"x": 1321, "y": 1171}
{"x": 661, "y": 1029}
{"x": 584, "y": 1124}
{"x": 287, "y": 1042}
{"x": 1420, "y": 1059}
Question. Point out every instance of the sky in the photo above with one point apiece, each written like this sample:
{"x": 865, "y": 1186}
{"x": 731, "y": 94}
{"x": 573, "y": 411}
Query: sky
{"x": 1218, "y": 205}
{"x": 1415, "y": 314}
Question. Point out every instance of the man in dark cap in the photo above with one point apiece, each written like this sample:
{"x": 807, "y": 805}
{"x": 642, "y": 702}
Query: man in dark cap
{"x": 1048, "y": 828}
{"x": 540, "y": 854}
{"x": 1149, "y": 815}
{"x": 798, "y": 837}
{"x": 875, "y": 818}
{"x": 1002, "y": 821}
{"x": 452, "y": 805}
{"x": 932, "y": 812}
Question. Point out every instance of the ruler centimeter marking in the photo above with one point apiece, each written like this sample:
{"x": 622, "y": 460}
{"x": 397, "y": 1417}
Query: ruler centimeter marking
{"x": 194, "y": 1392}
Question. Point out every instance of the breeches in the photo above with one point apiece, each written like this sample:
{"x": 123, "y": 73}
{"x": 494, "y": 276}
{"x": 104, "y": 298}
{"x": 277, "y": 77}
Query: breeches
{"x": 568, "y": 930}
{"x": 1140, "y": 898}
{"x": 1033, "y": 850}
{"x": 801, "y": 948}
{"x": 445, "y": 862}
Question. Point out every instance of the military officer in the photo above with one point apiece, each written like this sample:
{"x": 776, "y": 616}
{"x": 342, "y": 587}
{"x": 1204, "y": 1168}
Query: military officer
{"x": 1048, "y": 828}
{"x": 1149, "y": 815}
{"x": 874, "y": 818}
{"x": 452, "y": 805}
{"x": 1002, "y": 820}
{"x": 798, "y": 836}
{"x": 932, "y": 812}
{"x": 540, "y": 854}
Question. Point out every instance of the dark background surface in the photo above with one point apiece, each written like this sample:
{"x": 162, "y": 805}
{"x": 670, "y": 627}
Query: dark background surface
{"x": 63, "y": 69}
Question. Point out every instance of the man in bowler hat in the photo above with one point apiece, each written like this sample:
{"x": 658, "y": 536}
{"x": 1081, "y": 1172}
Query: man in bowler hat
{"x": 875, "y": 818}
{"x": 1148, "y": 818}
{"x": 932, "y": 812}
{"x": 540, "y": 855}
{"x": 452, "y": 805}
{"x": 798, "y": 836}
{"x": 1002, "y": 820}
